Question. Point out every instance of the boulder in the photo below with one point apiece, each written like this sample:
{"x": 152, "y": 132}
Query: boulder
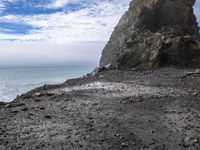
{"x": 155, "y": 33}
{"x": 101, "y": 69}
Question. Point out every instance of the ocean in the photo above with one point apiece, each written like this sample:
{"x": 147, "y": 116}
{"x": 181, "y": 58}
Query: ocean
{"x": 17, "y": 81}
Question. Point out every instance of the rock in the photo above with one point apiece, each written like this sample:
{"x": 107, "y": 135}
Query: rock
{"x": 132, "y": 99}
{"x": 154, "y": 33}
{"x": 26, "y": 96}
{"x": 47, "y": 116}
{"x": 24, "y": 109}
{"x": 190, "y": 141}
{"x": 50, "y": 94}
{"x": 14, "y": 105}
{"x": 196, "y": 72}
{"x": 14, "y": 111}
{"x": 109, "y": 67}
{"x": 42, "y": 108}
{"x": 124, "y": 145}
{"x": 101, "y": 69}
{"x": 194, "y": 93}
{"x": 31, "y": 114}
{"x": 37, "y": 100}
{"x": 2, "y": 104}
{"x": 37, "y": 94}
{"x": 95, "y": 71}
{"x": 7, "y": 105}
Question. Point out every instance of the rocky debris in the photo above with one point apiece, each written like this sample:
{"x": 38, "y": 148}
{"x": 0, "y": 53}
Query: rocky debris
{"x": 2, "y": 104}
{"x": 14, "y": 104}
{"x": 84, "y": 118}
{"x": 37, "y": 94}
{"x": 131, "y": 99}
{"x": 101, "y": 69}
{"x": 196, "y": 72}
{"x": 24, "y": 108}
{"x": 190, "y": 141}
{"x": 50, "y": 94}
{"x": 124, "y": 145}
{"x": 37, "y": 100}
{"x": 155, "y": 33}
{"x": 48, "y": 116}
{"x": 14, "y": 111}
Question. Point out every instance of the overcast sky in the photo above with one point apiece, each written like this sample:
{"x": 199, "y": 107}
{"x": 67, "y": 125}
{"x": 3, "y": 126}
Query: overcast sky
{"x": 57, "y": 32}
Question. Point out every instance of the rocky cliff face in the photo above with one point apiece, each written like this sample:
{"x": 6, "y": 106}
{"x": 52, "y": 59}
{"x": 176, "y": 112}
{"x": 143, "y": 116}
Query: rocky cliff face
{"x": 155, "y": 33}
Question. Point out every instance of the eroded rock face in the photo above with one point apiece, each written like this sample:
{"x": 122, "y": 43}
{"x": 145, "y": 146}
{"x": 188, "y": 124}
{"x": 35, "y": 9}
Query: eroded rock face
{"x": 155, "y": 33}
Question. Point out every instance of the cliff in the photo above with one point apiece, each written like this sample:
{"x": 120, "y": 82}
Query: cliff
{"x": 155, "y": 33}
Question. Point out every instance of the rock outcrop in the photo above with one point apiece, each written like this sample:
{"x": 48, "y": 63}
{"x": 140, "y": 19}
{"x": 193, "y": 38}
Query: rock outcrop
{"x": 155, "y": 33}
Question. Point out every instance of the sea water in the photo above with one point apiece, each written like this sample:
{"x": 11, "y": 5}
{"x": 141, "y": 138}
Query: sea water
{"x": 17, "y": 81}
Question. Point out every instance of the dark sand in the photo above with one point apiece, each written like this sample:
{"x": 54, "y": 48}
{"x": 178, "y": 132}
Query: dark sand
{"x": 134, "y": 110}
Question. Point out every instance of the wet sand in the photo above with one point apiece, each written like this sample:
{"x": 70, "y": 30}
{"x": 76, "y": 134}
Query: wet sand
{"x": 114, "y": 110}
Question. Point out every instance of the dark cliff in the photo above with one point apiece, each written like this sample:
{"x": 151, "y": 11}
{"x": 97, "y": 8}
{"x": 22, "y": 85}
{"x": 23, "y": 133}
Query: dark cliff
{"x": 155, "y": 33}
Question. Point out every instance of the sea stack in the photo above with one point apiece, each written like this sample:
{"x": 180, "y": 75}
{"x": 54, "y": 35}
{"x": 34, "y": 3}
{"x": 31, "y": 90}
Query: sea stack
{"x": 153, "y": 34}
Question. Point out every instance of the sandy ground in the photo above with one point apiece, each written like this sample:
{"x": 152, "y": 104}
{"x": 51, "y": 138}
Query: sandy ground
{"x": 133, "y": 110}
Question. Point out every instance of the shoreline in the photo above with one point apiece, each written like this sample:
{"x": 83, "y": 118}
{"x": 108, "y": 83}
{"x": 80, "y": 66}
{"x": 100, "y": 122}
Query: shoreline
{"x": 110, "y": 110}
{"x": 17, "y": 82}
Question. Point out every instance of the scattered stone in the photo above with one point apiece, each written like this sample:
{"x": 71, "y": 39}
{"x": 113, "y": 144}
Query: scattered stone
{"x": 109, "y": 67}
{"x": 152, "y": 131}
{"x": 14, "y": 111}
{"x": 47, "y": 116}
{"x": 67, "y": 99}
{"x": 7, "y": 105}
{"x": 2, "y": 103}
{"x": 195, "y": 94}
{"x": 196, "y": 72}
{"x": 24, "y": 109}
{"x": 37, "y": 94}
{"x": 132, "y": 99}
{"x": 31, "y": 114}
{"x": 190, "y": 141}
{"x": 15, "y": 105}
{"x": 101, "y": 69}
{"x": 50, "y": 94}
{"x": 37, "y": 100}
{"x": 42, "y": 108}
{"x": 26, "y": 96}
{"x": 96, "y": 71}
{"x": 124, "y": 145}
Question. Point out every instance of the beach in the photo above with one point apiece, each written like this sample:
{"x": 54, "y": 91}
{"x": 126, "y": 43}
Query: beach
{"x": 156, "y": 109}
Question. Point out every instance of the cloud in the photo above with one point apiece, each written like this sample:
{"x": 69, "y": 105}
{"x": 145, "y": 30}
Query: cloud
{"x": 94, "y": 20}
{"x": 93, "y": 23}
{"x": 58, "y": 3}
{"x": 24, "y": 53}
{"x": 2, "y": 6}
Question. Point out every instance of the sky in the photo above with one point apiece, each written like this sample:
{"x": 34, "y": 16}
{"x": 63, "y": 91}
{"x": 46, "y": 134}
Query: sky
{"x": 58, "y": 32}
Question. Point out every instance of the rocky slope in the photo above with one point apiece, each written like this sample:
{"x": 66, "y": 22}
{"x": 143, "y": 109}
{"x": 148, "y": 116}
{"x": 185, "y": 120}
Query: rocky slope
{"x": 113, "y": 110}
{"x": 155, "y": 33}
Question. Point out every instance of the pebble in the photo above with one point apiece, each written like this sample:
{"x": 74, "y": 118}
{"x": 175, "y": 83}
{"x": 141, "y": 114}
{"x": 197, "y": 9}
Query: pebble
{"x": 37, "y": 100}
{"x": 14, "y": 111}
{"x": 124, "y": 145}
{"x": 47, "y": 116}
{"x": 37, "y": 94}
{"x": 24, "y": 109}
{"x": 42, "y": 108}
